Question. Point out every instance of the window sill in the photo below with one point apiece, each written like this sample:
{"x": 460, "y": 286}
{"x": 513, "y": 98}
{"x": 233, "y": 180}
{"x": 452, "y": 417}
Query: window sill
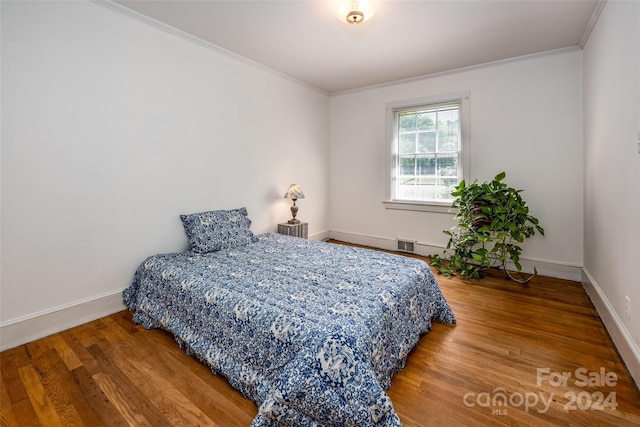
{"x": 407, "y": 205}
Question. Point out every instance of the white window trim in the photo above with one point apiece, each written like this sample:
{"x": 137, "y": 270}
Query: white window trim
{"x": 432, "y": 206}
{"x": 414, "y": 205}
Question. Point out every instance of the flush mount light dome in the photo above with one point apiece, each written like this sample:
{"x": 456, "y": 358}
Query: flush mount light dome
{"x": 355, "y": 11}
{"x": 355, "y": 17}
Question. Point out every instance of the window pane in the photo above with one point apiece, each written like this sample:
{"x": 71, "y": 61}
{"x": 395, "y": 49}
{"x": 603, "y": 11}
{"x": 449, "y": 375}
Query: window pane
{"x": 447, "y": 166}
{"x": 407, "y": 122}
{"x": 426, "y": 166}
{"x": 444, "y": 191}
{"x": 406, "y": 169}
{"x": 406, "y": 192}
{"x": 407, "y": 143}
{"x": 417, "y": 192}
{"x": 427, "y": 142}
{"x": 448, "y": 131}
{"x": 426, "y": 121}
{"x": 447, "y": 141}
{"x": 449, "y": 183}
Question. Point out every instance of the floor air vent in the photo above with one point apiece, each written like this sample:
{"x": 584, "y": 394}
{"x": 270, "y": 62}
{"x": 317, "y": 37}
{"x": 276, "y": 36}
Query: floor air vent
{"x": 406, "y": 245}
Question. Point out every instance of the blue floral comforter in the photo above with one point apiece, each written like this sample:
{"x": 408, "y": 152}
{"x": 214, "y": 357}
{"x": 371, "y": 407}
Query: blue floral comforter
{"x": 310, "y": 331}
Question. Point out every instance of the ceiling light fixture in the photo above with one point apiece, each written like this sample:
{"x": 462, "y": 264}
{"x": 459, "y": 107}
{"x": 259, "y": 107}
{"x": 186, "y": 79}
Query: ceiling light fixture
{"x": 355, "y": 11}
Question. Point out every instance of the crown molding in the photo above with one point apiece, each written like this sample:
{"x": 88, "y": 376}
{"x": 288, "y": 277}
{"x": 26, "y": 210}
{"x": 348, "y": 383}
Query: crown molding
{"x": 461, "y": 70}
{"x": 123, "y": 10}
{"x": 592, "y": 22}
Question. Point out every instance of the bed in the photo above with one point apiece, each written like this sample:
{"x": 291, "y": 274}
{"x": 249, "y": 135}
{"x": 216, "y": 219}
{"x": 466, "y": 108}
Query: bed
{"x": 310, "y": 331}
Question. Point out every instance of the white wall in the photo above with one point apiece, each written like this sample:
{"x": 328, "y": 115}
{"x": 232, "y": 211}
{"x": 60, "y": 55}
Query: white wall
{"x": 526, "y": 120}
{"x": 612, "y": 173}
{"x": 111, "y": 128}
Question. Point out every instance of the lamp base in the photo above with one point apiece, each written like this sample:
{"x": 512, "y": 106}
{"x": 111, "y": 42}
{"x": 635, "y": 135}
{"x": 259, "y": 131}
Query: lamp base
{"x": 294, "y": 212}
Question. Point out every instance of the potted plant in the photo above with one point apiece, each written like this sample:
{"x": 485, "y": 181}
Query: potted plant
{"x": 493, "y": 219}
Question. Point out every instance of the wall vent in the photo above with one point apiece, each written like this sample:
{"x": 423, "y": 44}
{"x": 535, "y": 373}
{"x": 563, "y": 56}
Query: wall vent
{"x": 406, "y": 246}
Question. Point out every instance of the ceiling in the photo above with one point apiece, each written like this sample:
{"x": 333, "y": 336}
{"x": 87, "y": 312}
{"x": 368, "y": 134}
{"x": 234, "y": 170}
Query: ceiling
{"x": 404, "y": 39}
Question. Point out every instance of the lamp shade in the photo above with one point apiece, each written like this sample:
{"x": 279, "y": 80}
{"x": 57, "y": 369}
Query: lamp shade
{"x": 294, "y": 192}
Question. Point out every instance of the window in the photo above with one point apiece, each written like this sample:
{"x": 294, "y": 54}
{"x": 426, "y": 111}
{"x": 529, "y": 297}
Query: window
{"x": 427, "y": 151}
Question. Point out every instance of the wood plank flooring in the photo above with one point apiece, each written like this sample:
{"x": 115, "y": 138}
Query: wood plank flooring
{"x": 112, "y": 372}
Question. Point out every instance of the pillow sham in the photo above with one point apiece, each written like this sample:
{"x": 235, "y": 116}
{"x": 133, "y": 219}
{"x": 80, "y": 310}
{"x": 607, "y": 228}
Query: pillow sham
{"x": 214, "y": 230}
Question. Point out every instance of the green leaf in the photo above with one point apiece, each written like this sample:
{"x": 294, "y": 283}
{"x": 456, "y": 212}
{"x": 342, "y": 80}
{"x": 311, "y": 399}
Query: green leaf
{"x": 500, "y": 176}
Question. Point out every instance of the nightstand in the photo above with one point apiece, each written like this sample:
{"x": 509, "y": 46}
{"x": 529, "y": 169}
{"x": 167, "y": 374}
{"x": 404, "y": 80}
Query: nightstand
{"x": 296, "y": 230}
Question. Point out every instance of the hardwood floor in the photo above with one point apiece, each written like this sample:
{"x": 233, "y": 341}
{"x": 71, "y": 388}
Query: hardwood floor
{"x": 112, "y": 372}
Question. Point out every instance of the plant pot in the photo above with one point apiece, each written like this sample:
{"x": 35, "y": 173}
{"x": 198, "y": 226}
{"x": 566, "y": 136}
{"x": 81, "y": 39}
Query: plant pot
{"x": 477, "y": 210}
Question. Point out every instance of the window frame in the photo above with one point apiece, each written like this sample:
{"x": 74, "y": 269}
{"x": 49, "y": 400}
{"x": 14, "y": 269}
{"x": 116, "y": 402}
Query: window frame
{"x": 391, "y": 148}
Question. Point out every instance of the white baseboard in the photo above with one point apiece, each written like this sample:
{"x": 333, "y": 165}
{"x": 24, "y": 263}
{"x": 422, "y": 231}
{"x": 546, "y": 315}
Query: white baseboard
{"x": 624, "y": 342}
{"x": 323, "y": 235}
{"x": 32, "y": 327}
{"x": 547, "y": 268}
